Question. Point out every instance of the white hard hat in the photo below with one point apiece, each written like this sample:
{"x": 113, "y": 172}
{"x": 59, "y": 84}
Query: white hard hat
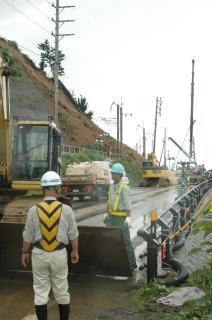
{"x": 50, "y": 178}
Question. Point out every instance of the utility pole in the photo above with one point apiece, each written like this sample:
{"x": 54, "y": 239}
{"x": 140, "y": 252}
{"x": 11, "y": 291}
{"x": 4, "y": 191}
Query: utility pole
{"x": 192, "y": 111}
{"x": 144, "y": 139}
{"x": 117, "y": 121}
{"x": 121, "y": 127}
{"x": 164, "y": 147}
{"x": 157, "y": 112}
{"x": 58, "y": 37}
{"x": 144, "y": 143}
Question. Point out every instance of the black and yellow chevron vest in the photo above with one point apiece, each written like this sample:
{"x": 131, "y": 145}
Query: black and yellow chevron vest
{"x": 49, "y": 216}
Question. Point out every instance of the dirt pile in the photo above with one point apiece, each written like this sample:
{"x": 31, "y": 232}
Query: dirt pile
{"x": 76, "y": 128}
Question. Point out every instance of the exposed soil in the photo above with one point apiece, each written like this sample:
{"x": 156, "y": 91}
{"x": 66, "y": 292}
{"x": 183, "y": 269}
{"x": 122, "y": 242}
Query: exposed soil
{"x": 77, "y": 129}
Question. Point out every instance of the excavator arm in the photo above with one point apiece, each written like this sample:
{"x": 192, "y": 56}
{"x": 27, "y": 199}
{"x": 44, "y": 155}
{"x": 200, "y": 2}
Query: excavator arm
{"x": 183, "y": 151}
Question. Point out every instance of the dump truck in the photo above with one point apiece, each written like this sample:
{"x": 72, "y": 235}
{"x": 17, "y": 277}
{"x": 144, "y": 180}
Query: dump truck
{"x": 87, "y": 179}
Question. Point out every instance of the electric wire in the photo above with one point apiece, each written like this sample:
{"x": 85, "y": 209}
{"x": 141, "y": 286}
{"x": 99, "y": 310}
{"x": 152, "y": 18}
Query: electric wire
{"x": 29, "y": 50}
{"x": 43, "y": 13}
{"x": 49, "y": 2}
{"x": 26, "y": 16}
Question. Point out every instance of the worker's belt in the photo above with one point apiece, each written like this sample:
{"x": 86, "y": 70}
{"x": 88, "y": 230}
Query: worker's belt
{"x": 59, "y": 247}
{"x": 118, "y": 213}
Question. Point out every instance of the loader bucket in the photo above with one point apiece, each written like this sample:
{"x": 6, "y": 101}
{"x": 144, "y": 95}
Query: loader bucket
{"x": 10, "y": 246}
{"x": 101, "y": 250}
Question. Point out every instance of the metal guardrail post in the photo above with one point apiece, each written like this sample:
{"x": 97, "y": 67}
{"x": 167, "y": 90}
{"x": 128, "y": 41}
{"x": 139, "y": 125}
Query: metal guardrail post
{"x": 175, "y": 220}
{"x": 182, "y": 217}
{"x": 152, "y": 250}
{"x": 164, "y": 242}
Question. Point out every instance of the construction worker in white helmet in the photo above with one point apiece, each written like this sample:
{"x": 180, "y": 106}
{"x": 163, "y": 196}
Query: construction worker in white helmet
{"x": 50, "y": 226}
{"x": 119, "y": 208}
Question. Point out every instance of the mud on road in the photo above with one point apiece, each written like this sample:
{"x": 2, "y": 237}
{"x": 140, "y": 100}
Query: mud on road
{"x": 92, "y": 298}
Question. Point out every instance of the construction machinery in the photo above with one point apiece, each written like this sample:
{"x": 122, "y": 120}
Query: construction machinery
{"x": 194, "y": 172}
{"x": 156, "y": 175}
{"x": 29, "y": 147}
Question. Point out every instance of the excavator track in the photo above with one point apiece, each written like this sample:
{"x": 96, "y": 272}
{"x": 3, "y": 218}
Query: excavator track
{"x": 14, "y": 208}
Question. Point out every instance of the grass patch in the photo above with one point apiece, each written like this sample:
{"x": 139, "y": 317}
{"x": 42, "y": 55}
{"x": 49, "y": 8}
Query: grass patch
{"x": 145, "y": 298}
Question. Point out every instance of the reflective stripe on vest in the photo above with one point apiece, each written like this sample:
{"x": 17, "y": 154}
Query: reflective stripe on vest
{"x": 49, "y": 216}
{"x": 113, "y": 210}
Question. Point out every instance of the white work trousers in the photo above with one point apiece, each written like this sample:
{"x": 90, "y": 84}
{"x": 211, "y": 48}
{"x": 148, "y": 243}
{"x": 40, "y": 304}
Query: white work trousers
{"x": 50, "y": 271}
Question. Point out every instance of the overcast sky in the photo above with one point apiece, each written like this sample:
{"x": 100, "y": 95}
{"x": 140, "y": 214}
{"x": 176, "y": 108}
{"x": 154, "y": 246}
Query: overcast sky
{"x": 134, "y": 49}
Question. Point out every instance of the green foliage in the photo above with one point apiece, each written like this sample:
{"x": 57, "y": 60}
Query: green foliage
{"x": 132, "y": 168}
{"x": 133, "y": 171}
{"x": 9, "y": 58}
{"x": 68, "y": 158}
{"x": 147, "y": 294}
{"x": 206, "y": 227}
{"x": 47, "y": 57}
{"x": 82, "y": 105}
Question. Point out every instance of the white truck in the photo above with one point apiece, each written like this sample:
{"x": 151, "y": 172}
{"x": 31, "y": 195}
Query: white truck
{"x": 87, "y": 179}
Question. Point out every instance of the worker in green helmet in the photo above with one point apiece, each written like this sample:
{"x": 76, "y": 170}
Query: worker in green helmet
{"x": 119, "y": 207}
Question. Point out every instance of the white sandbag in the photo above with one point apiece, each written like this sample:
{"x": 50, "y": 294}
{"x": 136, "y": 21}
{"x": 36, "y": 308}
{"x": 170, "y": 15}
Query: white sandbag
{"x": 181, "y": 295}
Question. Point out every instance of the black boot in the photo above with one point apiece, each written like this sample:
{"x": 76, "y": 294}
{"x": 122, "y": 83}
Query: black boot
{"x": 64, "y": 311}
{"x": 41, "y": 311}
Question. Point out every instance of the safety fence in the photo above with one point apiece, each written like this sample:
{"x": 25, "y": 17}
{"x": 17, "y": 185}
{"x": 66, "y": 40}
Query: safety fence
{"x": 76, "y": 149}
{"x": 168, "y": 231}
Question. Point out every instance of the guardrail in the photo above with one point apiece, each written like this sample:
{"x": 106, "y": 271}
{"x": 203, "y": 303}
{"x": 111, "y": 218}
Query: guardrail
{"x": 164, "y": 232}
{"x": 76, "y": 149}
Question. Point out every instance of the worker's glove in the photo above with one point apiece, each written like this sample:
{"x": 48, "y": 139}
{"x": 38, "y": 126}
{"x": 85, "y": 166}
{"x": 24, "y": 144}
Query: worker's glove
{"x": 104, "y": 218}
{"x": 128, "y": 222}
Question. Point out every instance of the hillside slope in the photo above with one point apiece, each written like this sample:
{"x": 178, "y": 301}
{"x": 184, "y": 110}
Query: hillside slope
{"x": 35, "y": 89}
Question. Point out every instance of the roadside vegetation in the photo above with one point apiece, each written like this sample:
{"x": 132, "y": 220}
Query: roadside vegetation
{"x": 12, "y": 65}
{"x": 47, "y": 62}
{"x": 145, "y": 298}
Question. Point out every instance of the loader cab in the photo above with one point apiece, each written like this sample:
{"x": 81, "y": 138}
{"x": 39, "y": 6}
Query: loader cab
{"x": 37, "y": 148}
{"x": 147, "y": 164}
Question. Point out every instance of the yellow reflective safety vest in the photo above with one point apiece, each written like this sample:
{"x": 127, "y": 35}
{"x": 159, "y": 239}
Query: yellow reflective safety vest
{"x": 113, "y": 210}
{"x": 49, "y": 217}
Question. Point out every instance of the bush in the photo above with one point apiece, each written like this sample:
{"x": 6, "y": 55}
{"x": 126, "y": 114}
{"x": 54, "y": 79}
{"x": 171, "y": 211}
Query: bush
{"x": 9, "y": 58}
{"x": 68, "y": 158}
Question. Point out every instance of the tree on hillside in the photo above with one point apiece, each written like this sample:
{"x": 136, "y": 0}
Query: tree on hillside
{"x": 9, "y": 58}
{"x": 47, "y": 57}
{"x": 82, "y": 106}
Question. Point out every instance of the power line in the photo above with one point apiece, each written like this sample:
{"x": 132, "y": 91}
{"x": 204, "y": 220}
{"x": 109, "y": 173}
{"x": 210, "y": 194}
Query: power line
{"x": 26, "y": 16}
{"x": 29, "y": 50}
{"x": 49, "y": 2}
{"x": 39, "y": 10}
